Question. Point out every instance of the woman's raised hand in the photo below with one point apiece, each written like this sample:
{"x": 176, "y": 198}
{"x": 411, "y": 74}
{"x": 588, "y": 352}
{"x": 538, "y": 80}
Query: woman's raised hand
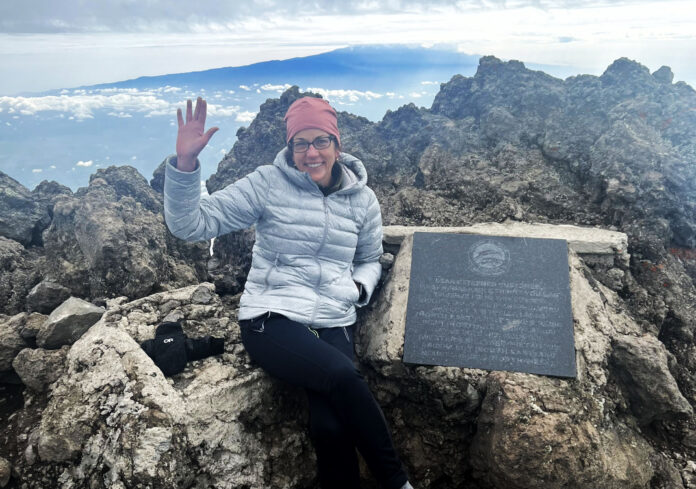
{"x": 190, "y": 140}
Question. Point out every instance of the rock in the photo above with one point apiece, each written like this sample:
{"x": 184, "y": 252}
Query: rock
{"x": 38, "y": 368}
{"x": 115, "y": 415}
{"x": 11, "y": 343}
{"x": 5, "y": 472}
{"x": 109, "y": 239}
{"x": 642, "y": 366}
{"x": 386, "y": 260}
{"x": 157, "y": 180}
{"x": 19, "y": 272}
{"x": 46, "y": 296}
{"x": 21, "y": 219}
{"x": 68, "y": 323}
{"x": 664, "y": 75}
{"x": 532, "y": 431}
{"x": 31, "y": 326}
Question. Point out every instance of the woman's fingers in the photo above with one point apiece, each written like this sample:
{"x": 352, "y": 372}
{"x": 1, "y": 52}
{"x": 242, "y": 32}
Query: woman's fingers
{"x": 203, "y": 110}
{"x": 197, "y": 112}
{"x": 189, "y": 115}
{"x": 209, "y": 133}
{"x": 179, "y": 118}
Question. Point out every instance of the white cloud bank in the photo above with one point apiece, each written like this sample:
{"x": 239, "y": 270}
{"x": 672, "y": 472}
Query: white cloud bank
{"x": 84, "y": 163}
{"x": 118, "y": 102}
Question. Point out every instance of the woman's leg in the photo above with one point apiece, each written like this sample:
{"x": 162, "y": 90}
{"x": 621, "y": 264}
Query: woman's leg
{"x": 292, "y": 352}
{"x": 337, "y": 461}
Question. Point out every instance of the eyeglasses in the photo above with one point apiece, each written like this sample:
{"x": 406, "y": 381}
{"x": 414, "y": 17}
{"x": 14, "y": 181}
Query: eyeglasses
{"x": 322, "y": 142}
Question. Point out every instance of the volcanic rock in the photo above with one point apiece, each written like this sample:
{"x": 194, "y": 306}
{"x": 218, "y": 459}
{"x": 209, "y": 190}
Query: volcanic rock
{"x": 68, "y": 323}
{"x": 46, "y": 296}
{"x": 11, "y": 343}
{"x": 109, "y": 239}
{"x": 21, "y": 218}
{"x": 38, "y": 368}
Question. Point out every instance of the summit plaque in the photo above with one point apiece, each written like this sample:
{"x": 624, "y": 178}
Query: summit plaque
{"x": 490, "y": 302}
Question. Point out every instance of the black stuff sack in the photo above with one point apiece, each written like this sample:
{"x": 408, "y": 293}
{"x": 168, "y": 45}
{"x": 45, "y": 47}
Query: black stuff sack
{"x": 168, "y": 348}
{"x": 171, "y": 349}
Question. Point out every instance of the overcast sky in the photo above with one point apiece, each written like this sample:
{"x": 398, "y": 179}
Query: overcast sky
{"x": 52, "y": 44}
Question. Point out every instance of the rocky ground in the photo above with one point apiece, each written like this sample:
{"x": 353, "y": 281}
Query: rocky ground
{"x": 618, "y": 151}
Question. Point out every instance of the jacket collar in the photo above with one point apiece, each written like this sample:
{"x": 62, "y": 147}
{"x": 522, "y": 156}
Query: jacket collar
{"x": 354, "y": 173}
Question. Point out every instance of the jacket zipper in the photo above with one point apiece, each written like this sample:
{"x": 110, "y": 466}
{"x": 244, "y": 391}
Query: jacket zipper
{"x": 316, "y": 257}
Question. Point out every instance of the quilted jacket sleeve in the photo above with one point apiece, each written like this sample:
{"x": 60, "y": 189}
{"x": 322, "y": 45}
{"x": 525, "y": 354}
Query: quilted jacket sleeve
{"x": 192, "y": 218}
{"x": 366, "y": 266}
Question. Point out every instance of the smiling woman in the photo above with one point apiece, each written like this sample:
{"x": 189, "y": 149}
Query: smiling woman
{"x": 315, "y": 260}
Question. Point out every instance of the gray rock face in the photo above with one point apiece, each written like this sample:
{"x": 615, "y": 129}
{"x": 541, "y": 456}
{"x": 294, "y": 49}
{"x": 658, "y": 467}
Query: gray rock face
{"x": 113, "y": 413}
{"x": 531, "y": 431}
{"x": 68, "y": 323}
{"x": 642, "y": 365}
{"x": 38, "y": 368}
{"x": 21, "y": 218}
{"x": 46, "y": 296}
{"x": 110, "y": 240}
{"x": 11, "y": 343}
{"x": 19, "y": 272}
{"x": 5, "y": 472}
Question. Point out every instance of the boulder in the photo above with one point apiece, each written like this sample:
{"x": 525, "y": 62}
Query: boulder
{"x": 114, "y": 413}
{"x": 642, "y": 366}
{"x": 46, "y": 296}
{"x": 39, "y": 368}
{"x": 19, "y": 272}
{"x": 110, "y": 239}
{"x": 11, "y": 343}
{"x": 68, "y": 323}
{"x": 513, "y": 430}
{"x": 5, "y": 472}
{"x": 31, "y": 325}
{"x": 21, "y": 218}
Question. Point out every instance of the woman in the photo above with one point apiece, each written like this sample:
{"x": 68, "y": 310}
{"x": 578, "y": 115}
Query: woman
{"x": 316, "y": 257}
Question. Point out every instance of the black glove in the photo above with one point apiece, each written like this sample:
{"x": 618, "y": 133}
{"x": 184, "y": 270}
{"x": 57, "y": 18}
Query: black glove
{"x": 171, "y": 349}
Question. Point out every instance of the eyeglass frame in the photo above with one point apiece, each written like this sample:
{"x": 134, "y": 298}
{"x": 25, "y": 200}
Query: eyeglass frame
{"x": 291, "y": 144}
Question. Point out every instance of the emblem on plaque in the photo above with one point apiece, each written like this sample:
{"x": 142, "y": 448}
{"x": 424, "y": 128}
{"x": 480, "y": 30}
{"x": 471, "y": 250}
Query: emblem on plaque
{"x": 489, "y": 257}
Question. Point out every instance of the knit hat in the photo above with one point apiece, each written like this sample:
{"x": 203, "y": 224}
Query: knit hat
{"x": 311, "y": 113}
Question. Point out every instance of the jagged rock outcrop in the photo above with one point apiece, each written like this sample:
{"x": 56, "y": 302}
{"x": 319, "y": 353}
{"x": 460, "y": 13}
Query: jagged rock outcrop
{"x": 22, "y": 219}
{"x": 19, "y": 273}
{"x": 110, "y": 239}
{"x": 113, "y": 418}
{"x": 115, "y": 421}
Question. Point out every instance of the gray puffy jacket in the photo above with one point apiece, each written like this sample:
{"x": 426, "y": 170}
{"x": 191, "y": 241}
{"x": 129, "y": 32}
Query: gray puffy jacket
{"x": 309, "y": 248}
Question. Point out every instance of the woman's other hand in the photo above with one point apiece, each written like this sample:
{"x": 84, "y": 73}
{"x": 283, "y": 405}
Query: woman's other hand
{"x": 190, "y": 140}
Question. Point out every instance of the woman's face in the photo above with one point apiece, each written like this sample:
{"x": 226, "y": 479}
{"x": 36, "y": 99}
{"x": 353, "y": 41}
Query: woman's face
{"x": 317, "y": 163}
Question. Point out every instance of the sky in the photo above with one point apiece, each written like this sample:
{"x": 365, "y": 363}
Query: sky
{"x": 45, "y": 44}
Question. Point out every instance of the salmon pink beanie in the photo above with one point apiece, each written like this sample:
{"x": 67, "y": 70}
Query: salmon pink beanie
{"x": 311, "y": 113}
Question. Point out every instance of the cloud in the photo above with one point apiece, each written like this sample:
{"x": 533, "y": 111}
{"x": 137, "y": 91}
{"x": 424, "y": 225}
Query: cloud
{"x": 244, "y": 87}
{"x": 122, "y": 103}
{"x": 245, "y": 116}
{"x": 430, "y": 83}
{"x": 79, "y": 16}
{"x": 275, "y": 88}
{"x": 84, "y": 163}
{"x": 82, "y": 104}
{"x": 344, "y": 96}
{"x": 36, "y": 170}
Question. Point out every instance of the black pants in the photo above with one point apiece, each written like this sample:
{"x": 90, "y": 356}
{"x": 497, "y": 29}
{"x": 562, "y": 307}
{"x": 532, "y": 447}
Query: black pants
{"x": 343, "y": 413}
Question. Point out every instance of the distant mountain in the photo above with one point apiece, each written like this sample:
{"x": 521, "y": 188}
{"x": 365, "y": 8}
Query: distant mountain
{"x": 64, "y": 135}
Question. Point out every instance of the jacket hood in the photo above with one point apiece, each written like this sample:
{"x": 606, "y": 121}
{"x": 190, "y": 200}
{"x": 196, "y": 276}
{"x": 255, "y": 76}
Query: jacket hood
{"x": 354, "y": 173}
